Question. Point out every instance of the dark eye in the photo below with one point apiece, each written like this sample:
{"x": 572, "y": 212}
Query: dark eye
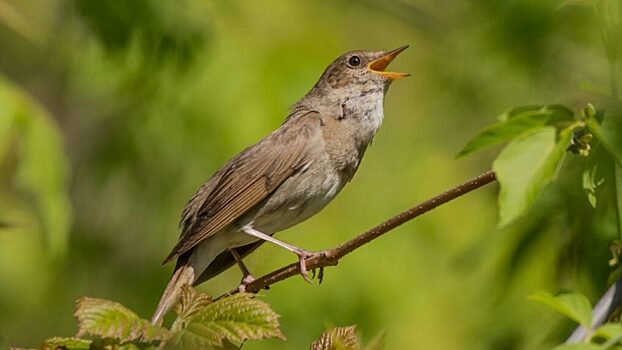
{"x": 354, "y": 61}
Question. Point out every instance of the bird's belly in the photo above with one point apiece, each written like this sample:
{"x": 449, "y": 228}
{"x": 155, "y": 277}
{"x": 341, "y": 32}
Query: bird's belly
{"x": 296, "y": 200}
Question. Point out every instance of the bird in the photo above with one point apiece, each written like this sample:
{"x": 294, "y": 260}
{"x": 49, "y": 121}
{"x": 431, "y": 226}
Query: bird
{"x": 286, "y": 177}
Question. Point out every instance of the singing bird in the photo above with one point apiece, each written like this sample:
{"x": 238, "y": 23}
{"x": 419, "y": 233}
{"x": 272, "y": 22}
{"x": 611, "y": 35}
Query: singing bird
{"x": 285, "y": 178}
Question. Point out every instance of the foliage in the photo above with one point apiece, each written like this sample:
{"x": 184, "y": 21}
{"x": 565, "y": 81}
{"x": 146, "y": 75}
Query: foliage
{"x": 337, "y": 338}
{"x": 577, "y": 307}
{"x": 201, "y": 324}
{"x": 42, "y": 167}
{"x": 234, "y": 319}
{"x": 150, "y": 98}
{"x": 108, "y": 319}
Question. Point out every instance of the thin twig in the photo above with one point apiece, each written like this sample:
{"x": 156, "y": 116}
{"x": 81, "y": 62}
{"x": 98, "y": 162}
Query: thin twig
{"x": 331, "y": 257}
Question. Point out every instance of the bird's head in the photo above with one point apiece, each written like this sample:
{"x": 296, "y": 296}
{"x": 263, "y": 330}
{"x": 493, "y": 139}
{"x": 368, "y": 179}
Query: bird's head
{"x": 357, "y": 72}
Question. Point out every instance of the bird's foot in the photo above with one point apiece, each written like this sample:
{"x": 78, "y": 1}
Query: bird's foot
{"x": 248, "y": 279}
{"x": 302, "y": 256}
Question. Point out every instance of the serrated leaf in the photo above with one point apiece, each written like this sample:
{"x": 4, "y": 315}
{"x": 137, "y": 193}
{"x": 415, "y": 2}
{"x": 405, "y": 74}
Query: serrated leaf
{"x": 525, "y": 166}
{"x": 235, "y": 318}
{"x": 514, "y": 123}
{"x": 573, "y": 305}
{"x": 109, "y": 319}
{"x": 190, "y": 302}
{"x": 67, "y": 344}
{"x": 337, "y": 338}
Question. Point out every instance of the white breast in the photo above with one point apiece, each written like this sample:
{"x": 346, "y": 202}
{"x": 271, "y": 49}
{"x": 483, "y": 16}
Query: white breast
{"x": 370, "y": 113}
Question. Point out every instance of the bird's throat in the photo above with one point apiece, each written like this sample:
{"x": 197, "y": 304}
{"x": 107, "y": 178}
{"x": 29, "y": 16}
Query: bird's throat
{"x": 365, "y": 113}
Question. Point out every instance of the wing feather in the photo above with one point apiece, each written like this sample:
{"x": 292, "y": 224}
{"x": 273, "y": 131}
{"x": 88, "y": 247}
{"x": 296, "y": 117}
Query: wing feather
{"x": 246, "y": 180}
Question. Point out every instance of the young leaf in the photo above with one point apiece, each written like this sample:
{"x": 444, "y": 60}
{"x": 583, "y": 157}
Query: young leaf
{"x": 574, "y": 306}
{"x": 514, "y": 123}
{"x": 590, "y": 184}
{"x": 191, "y": 302}
{"x": 108, "y": 319}
{"x": 525, "y": 166}
{"x": 58, "y": 343}
{"x": 337, "y": 338}
{"x": 235, "y": 318}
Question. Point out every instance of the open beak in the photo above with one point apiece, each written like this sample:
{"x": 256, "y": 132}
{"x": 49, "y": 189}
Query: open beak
{"x": 379, "y": 65}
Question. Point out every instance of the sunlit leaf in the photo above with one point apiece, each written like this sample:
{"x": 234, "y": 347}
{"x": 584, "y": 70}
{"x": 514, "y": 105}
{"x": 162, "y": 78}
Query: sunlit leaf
{"x": 608, "y": 331}
{"x": 575, "y": 306}
{"x": 42, "y": 164}
{"x": 514, "y": 123}
{"x": 525, "y": 166}
{"x": 66, "y": 344}
{"x": 590, "y": 184}
{"x": 337, "y": 338}
{"x": 191, "y": 302}
{"x": 234, "y": 318}
{"x": 109, "y": 319}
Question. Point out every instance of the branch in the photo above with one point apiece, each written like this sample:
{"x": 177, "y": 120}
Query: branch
{"x": 331, "y": 257}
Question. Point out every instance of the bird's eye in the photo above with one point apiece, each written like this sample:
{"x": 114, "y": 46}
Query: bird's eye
{"x": 354, "y": 61}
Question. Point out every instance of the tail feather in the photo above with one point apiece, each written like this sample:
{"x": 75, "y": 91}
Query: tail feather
{"x": 183, "y": 275}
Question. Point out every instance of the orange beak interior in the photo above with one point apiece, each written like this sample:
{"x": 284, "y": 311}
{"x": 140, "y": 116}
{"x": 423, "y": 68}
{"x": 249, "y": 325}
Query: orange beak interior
{"x": 379, "y": 65}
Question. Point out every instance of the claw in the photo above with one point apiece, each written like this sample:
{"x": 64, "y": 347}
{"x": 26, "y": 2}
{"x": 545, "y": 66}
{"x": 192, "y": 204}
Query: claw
{"x": 302, "y": 256}
{"x": 245, "y": 282}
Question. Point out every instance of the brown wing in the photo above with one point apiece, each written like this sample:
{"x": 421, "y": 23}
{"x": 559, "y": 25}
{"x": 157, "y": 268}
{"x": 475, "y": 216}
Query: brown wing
{"x": 246, "y": 180}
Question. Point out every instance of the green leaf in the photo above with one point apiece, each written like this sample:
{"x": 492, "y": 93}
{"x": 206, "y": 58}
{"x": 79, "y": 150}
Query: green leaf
{"x": 608, "y": 331}
{"x": 609, "y": 134}
{"x": 514, "y": 123}
{"x": 109, "y": 319}
{"x": 191, "y": 302}
{"x": 67, "y": 344}
{"x": 573, "y": 305}
{"x": 590, "y": 184}
{"x": 42, "y": 164}
{"x": 337, "y": 338}
{"x": 235, "y": 318}
{"x": 525, "y": 166}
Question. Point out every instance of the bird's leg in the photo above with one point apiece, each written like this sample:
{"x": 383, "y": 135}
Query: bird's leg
{"x": 301, "y": 253}
{"x": 247, "y": 277}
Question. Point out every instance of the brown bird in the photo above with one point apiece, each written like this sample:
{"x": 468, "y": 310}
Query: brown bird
{"x": 285, "y": 178}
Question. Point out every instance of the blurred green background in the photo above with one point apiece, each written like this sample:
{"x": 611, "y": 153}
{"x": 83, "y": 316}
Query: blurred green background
{"x": 112, "y": 113}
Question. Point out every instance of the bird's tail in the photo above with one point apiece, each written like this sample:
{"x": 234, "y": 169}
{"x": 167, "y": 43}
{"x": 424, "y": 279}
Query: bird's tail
{"x": 183, "y": 275}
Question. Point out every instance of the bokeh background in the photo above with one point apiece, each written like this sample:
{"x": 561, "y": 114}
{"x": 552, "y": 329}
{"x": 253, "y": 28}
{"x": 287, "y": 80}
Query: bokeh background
{"x": 112, "y": 113}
